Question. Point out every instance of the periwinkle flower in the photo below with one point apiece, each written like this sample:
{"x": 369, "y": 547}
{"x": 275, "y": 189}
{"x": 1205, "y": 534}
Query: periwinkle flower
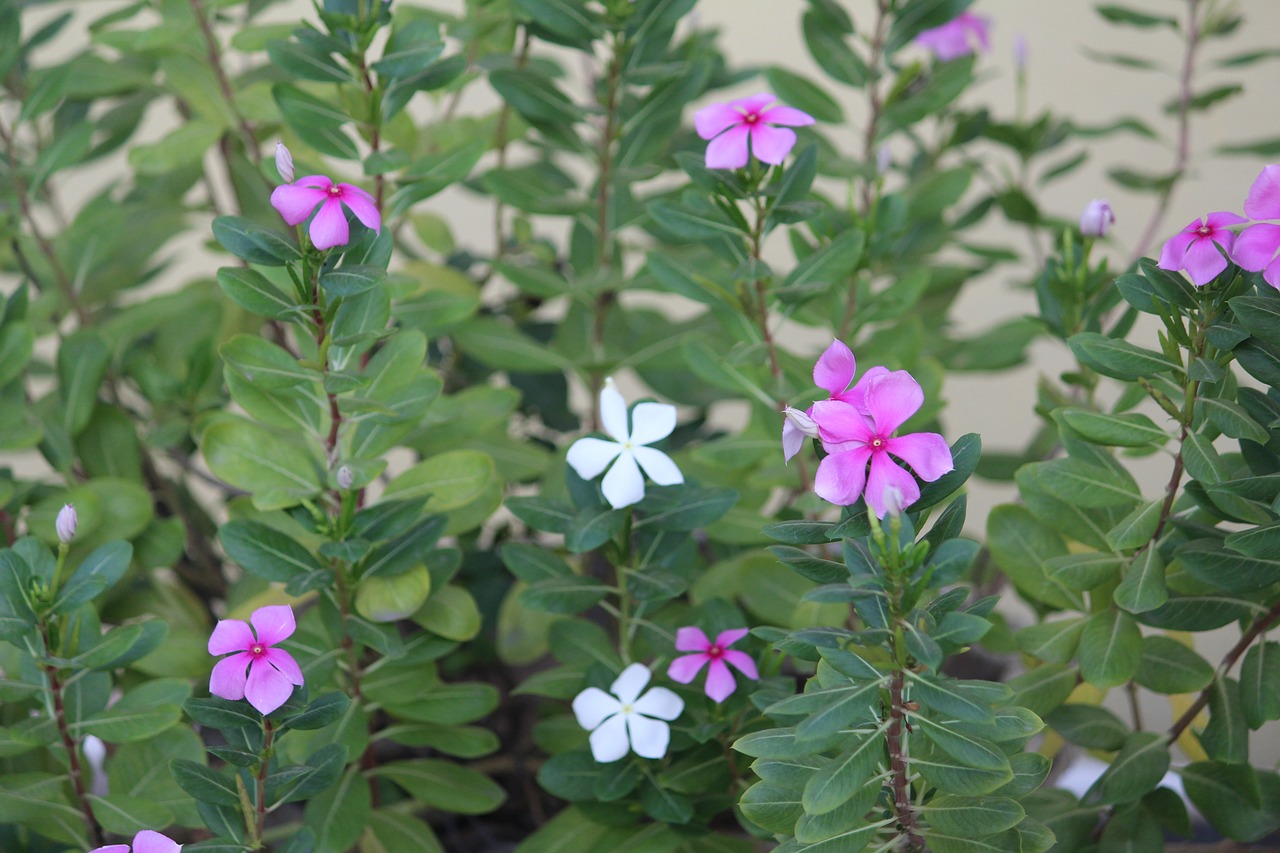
{"x": 66, "y": 523}
{"x": 329, "y": 228}
{"x": 833, "y": 372}
{"x": 627, "y": 720}
{"x": 147, "y": 841}
{"x": 1196, "y": 247}
{"x": 1256, "y": 247}
{"x": 957, "y": 37}
{"x": 730, "y": 126}
{"x": 255, "y": 671}
{"x": 1097, "y": 218}
{"x": 714, "y": 656}
{"x": 284, "y": 162}
{"x": 624, "y": 484}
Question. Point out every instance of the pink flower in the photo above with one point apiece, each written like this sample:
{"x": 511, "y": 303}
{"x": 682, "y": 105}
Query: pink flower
{"x": 953, "y": 39}
{"x": 1257, "y": 245}
{"x": 297, "y": 200}
{"x": 730, "y": 125}
{"x": 271, "y": 673}
{"x": 720, "y": 681}
{"x": 855, "y": 435}
{"x": 1195, "y": 248}
{"x": 833, "y": 373}
{"x": 144, "y": 842}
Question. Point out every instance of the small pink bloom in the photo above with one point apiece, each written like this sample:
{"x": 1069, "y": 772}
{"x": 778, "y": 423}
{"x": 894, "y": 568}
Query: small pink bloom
{"x": 1257, "y": 245}
{"x": 720, "y": 681}
{"x": 1097, "y": 218}
{"x": 1195, "y": 248}
{"x": 729, "y": 127}
{"x": 956, "y": 37}
{"x": 297, "y": 200}
{"x": 857, "y": 435}
{"x": 144, "y": 842}
{"x": 833, "y": 373}
{"x": 257, "y": 672}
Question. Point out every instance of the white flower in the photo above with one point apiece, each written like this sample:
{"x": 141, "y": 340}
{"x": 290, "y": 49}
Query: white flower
{"x": 624, "y": 484}
{"x": 630, "y": 721}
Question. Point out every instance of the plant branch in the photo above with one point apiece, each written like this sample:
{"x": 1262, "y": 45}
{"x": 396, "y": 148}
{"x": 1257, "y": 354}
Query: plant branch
{"x": 875, "y": 104}
{"x": 264, "y": 763}
{"x": 604, "y": 232}
{"x": 898, "y": 766}
{"x": 69, "y": 743}
{"x": 224, "y": 83}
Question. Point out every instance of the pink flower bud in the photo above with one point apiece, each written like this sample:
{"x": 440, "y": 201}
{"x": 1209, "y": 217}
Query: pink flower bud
{"x": 801, "y": 421}
{"x": 892, "y": 498}
{"x": 884, "y": 159}
{"x": 345, "y": 478}
{"x": 284, "y": 163}
{"x": 66, "y": 524}
{"x": 1020, "y": 53}
{"x": 1096, "y": 219}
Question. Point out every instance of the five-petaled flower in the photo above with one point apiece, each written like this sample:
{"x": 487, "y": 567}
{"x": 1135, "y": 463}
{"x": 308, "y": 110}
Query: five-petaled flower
{"x": 729, "y": 127}
{"x": 716, "y": 655}
{"x": 956, "y": 37}
{"x": 627, "y": 720}
{"x": 855, "y": 435}
{"x": 264, "y": 675}
{"x": 146, "y": 841}
{"x": 833, "y": 373}
{"x": 1257, "y": 245}
{"x": 624, "y": 484}
{"x": 1195, "y": 248}
{"x": 297, "y": 200}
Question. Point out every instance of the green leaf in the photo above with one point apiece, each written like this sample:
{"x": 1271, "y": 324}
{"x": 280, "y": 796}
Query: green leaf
{"x": 797, "y": 91}
{"x": 1238, "y": 801}
{"x": 280, "y": 471}
{"x": 82, "y": 363}
{"x": 444, "y": 785}
{"x": 1260, "y": 684}
{"x": 253, "y": 243}
{"x": 128, "y": 815}
{"x": 535, "y": 97}
{"x": 1084, "y": 571}
{"x": 1089, "y": 726}
{"x": 352, "y": 280}
{"x": 204, "y": 784}
{"x": 1118, "y": 359}
{"x": 252, "y": 291}
{"x": 771, "y": 807}
{"x": 973, "y": 817}
{"x": 1054, "y": 642}
{"x": 307, "y": 61}
{"x": 1226, "y": 737}
{"x": 264, "y": 363}
{"x": 1136, "y": 769}
{"x": 592, "y": 527}
{"x": 829, "y": 709}
{"x": 1125, "y": 430}
{"x": 338, "y": 816}
{"x": 504, "y": 347}
{"x": 955, "y": 777}
{"x": 1136, "y": 529}
{"x": 1143, "y": 587}
{"x": 97, "y": 573}
{"x": 1084, "y": 484}
{"x": 849, "y": 774}
{"x": 117, "y": 725}
{"x": 832, "y": 53}
{"x": 1228, "y": 569}
{"x": 970, "y": 751}
{"x": 1110, "y": 648}
{"x": 567, "y": 595}
{"x": 317, "y": 122}
{"x": 965, "y": 700}
{"x": 264, "y": 551}
{"x": 813, "y": 568}
{"x": 1023, "y": 548}
{"x": 123, "y": 645}
{"x": 1117, "y": 14}
{"x": 1044, "y": 688}
{"x": 569, "y": 20}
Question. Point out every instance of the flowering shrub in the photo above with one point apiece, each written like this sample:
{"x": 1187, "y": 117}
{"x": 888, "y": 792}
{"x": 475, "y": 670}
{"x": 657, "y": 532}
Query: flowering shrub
{"x": 343, "y": 536}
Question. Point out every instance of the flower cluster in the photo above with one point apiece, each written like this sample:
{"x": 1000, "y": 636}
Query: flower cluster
{"x": 1204, "y": 246}
{"x": 856, "y": 425}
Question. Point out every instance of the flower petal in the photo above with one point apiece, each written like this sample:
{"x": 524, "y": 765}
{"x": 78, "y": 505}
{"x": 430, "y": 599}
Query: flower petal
{"x": 885, "y": 473}
{"x": 691, "y": 639}
{"x": 628, "y": 685}
{"x": 319, "y": 182}
{"x": 652, "y": 422}
{"x": 893, "y": 398}
{"x": 1203, "y": 262}
{"x": 792, "y": 440}
{"x": 926, "y": 452}
{"x": 624, "y": 484}
{"x": 362, "y": 205}
{"x": 727, "y": 638}
{"x": 658, "y": 466}
{"x": 841, "y": 476}
{"x": 1263, "y": 201}
{"x": 228, "y": 677}
{"x": 661, "y": 703}
{"x": 593, "y": 706}
{"x": 743, "y": 663}
{"x": 772, "y": 144}
{"x": 1173, "y": 253}
{"x": 720, "y": 681}
{"x": 649, "y": 738}
{"x": 230, "y": 635}
{"x": 1256, "y": 246}
{"x": 840, "y": 422}
{"x": 1223, "y": 218}
{"x": 754, "y": 103}
{"x": 590, "y": 456}
{"x": 329, "y": 228}
{"x": 788, "y": 116}
{"x": 857, "y": 395}
{"x": 613, "y": 412}
{"x": 1271, "y": 275}
{"x": 686, "y": 667}
{"x": 714, "y": 120}
{"x": 267, "y": 688}
{"x": 609, "y": 741}
{"x": 284, "y": 662}
{"x": 729, "y": 149}
{"x": 274, "y": 623}
{"x": 148, "y": 841}
{"x": 295, "y": 203}
{"x": 834, "y": 369}
{"x": 111, "y": 848}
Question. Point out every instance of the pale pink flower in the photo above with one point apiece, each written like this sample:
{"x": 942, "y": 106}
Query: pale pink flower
{"x": 855, "y": 435}
{"x": 833, "y": 373}
{"x": 297, "y": 200}
{"x": 729, "y": 127}
{"x": 1097, "y": 218}
{"x": 957, "y": 37}
{"x": 715, "y": 656}
{"x": 146, "y": 841}
{"x": 1257, "y": 245}
{"x": 1195, "y": 248}
{"x": 255, "y": 671}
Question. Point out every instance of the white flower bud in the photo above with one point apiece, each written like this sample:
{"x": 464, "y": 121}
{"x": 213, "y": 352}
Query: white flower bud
{"x": 345, "y": 477}
{"x": 66, "y": 524}
{"x": 95, "y": 754}
{"x": 801, "y": 421}
{"x": 284, "y": 162}
{"x": 892, "y": 498}
{"x": 1096, "y": 219}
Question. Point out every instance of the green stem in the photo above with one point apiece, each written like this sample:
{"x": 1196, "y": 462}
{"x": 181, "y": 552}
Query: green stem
{"x": 264, "y": 763}
{"x": 625, "y": 628}
{"x": 70, "y": 745}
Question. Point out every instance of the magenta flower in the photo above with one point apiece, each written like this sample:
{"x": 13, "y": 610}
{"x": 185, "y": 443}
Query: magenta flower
{"x": 257, "y": 672}
{"x": 720, "y": 681}
{"x": 297, "y": 200}
{"x": 1257, "y": 245}
{"x": 956, "y": 37}
{"x": 854, "y": 436}
{"x": 729, "y": 127}
{"x": 833, "y": 372}
{"x": 144, "y": 842}
{"x": 1195, "y": 248}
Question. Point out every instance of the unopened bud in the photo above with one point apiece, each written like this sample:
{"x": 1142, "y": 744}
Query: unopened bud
{"x": 801, "y": 421}
{"x": 884, "y": 159}
{"x": 284, "y": 162}
{"x": 795, "y": 429}
{"x": 1020, "y": 51}
{"x": 1097, "y": 218}
{"x": 66, "y": 524}
{"x": 95, "y": 754}
{"x": 345, "y": 477}
{"x": 892, "y": 499}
